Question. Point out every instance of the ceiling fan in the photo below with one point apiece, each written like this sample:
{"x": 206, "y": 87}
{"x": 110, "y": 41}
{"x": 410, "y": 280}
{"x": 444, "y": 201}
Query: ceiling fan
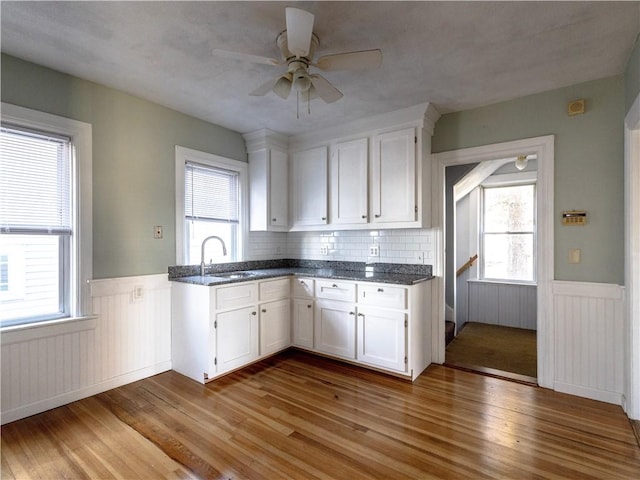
{"x": 297, "y": 45}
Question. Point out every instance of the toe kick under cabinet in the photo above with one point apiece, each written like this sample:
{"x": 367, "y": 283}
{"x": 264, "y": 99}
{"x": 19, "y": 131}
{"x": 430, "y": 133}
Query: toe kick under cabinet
{"x": 218, "y": 329}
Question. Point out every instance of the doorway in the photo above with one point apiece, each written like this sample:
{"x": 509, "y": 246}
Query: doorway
{"x": 491, "y": 266}
{"x": 543, "y": 150}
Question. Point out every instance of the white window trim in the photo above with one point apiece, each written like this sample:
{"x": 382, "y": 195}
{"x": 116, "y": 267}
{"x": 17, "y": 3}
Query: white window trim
{"x": 82, "y": 238}
{"x": 512, "y": 180}
{"x": 183, "y": 155}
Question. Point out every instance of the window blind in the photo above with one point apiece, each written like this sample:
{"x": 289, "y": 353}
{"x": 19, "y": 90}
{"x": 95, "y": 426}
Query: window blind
{"x": 35, "y": 182}
{"x": 211, "y": 194}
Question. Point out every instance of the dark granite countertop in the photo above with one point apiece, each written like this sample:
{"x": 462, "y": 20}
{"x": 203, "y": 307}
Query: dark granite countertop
{"x": 399, "y": 274}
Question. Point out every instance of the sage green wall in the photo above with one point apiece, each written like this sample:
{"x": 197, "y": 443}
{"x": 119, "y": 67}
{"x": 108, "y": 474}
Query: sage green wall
{"x": 589, "y": 161}
{"x": 133, "y": 161}
{"x": 632, "y": 76}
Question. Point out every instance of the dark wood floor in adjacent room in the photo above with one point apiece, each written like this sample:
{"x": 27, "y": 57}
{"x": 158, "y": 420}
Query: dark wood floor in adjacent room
{"x": 300, "y": 416}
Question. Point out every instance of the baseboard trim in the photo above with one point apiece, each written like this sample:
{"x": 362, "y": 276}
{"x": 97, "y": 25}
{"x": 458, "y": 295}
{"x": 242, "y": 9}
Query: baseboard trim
{"x": 38, "y": 407}
{"x": 586, "y": 392}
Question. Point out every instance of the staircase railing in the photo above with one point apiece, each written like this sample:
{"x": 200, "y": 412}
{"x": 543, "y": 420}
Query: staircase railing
{"x": 467, "y": 265}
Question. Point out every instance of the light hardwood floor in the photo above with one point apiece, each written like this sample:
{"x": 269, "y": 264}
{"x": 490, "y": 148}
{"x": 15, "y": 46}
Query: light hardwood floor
{"x": 300, "y": 416}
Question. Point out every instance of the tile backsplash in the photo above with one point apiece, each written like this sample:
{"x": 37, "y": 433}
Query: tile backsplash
{"x": 412, "y": 246}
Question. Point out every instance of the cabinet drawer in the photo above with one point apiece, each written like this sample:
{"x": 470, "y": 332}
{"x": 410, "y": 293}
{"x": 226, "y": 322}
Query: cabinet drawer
{"x": 382, "y": 296}
{"x": 274, "y": 289}
{"x": 336, "y": 290}
{"x": 302, "y": 287}
{"x": 237, "y": 295}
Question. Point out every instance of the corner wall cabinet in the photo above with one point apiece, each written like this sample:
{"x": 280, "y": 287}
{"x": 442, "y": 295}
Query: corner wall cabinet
{"x": 221, "y": 328}
{"x": 268, "y": 181}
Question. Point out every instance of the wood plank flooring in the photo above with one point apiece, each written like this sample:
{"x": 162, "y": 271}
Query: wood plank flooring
{"x": 304, "y": 417}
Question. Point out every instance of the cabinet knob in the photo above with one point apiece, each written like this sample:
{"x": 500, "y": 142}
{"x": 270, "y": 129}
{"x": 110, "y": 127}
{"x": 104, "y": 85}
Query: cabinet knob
{"x": 361, "y": 314}
{"x": 302, "y": 282}
{"x": 264, "y": 310}
{"x": 381, "y": 290}
{"x": 334, "y": 286}
{"x": 274, "y": 219}
{"x": 324, "y": 218}
{"x": 352, "y": 313}
{"x": 377, "y": 215}
{"x": 364, "y": 216}
{"x": 254, "y": 313}
{"x": 308, "y": 306}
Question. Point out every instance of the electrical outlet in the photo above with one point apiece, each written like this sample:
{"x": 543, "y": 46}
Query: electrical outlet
{"x": 324, "y": 250}
{"x": 157, "y": 231}
{"x": 137, "y": 293}
{"x": 374, "y": 251}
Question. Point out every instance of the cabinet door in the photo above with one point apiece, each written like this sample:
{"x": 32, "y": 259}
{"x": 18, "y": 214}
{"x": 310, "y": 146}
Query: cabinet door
{"x": 310, "y": 187}
{"x": 335, "y": 328}
{"x": 349, "y": 182}
{"x": 302, "y": 320}
{"x": 278, "y": 188}
{"x": 236, "y": 338}
{"x": 382, "y": 338}
{"x": 393, "y": 189}
{"x": 275, "y": 326}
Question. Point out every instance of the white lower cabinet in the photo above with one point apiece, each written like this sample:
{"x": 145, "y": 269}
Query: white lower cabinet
{"x": 218, "y": 329}
{"x": 302, "y": 313}
{"x": 335, "y": 328}
{"x": 275, "y": 326}
{"x": 382, "y": 338}
{"x": 236, "y": 339}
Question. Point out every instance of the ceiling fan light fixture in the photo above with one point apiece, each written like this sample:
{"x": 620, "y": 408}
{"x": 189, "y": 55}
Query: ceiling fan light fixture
{"x": 301, "y": 80}
{"x": 282, "y": 87}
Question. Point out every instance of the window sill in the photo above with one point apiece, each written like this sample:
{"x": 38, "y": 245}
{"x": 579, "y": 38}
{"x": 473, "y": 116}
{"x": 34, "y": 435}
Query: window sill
{"x": 33, "y": 331}
{"x": 503, "y": 282}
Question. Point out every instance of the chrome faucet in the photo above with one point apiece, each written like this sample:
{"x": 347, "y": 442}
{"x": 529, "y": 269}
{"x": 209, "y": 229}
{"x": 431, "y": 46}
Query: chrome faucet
{"x": 204, "y": 242}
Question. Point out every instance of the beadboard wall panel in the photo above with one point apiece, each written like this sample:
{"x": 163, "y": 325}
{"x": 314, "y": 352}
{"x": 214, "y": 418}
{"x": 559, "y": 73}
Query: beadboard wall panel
{"x": 128, "y": 338}
{"x": 589, "y": 340}
{"x": 505, "y": 304}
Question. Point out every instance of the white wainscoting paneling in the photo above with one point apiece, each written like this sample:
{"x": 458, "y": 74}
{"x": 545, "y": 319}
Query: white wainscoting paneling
{"x": 129, "y": 338}
{"x": 505, "y": 304}
{"x": 589, "y": 340}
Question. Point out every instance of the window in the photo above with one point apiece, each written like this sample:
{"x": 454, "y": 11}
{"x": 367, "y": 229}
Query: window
{"x": 210, "y": 192}
{"x": 43, "y": 270}
{"x": 508, "y": 233}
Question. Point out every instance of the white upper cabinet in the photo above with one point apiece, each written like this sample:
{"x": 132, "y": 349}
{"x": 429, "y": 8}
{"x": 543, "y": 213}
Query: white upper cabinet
{"x": 379, "y": 173}
{"x": 268, "y": 181}
{"x": 278, "y": 188}
{"x": 393, "y": 186}
{"x": 349, "y": 183}
{"x": 309, "y": 182}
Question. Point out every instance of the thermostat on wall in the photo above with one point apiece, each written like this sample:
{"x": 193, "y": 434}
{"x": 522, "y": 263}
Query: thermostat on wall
{"x": 574, "y": 217}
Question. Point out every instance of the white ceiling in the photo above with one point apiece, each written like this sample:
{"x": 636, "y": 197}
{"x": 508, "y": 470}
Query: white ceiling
{"x": 456, "y": 55}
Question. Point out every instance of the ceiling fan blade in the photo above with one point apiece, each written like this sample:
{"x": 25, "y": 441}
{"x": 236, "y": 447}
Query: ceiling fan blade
{"x": 325, "y": 90}
{"x": 265, "y": 88}
{"x": 246, "y": 57}
{"x": 350, "y": 60}
{"x": 299, "y": 30}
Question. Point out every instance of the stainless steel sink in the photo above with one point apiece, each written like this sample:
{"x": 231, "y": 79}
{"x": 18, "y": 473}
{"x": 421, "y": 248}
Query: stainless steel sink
{"x": 235, "y": 275}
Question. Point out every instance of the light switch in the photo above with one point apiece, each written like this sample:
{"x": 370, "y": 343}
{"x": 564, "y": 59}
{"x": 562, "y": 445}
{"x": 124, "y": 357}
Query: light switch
{"x": 574, "y": 255}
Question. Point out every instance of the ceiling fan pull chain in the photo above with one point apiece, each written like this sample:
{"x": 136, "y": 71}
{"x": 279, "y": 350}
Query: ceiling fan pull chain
{"x": 309, "y": 102}
{"x": 298, "y": 105}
